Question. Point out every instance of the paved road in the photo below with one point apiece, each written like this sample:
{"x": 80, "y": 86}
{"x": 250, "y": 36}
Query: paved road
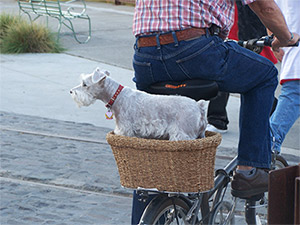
{"x": 56, "y": 167}
{"x": 56, "y": 172}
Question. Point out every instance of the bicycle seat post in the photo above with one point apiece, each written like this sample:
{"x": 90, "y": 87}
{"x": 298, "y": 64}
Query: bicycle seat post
{"x": 250, "y": 212}
{"x": 250, "y": 208}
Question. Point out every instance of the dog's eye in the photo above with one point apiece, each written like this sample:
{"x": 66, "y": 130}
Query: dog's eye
{"x": 84, "y": 84}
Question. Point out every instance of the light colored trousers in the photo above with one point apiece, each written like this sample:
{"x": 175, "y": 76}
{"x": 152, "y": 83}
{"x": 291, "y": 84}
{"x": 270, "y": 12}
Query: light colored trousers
{"x": 286, "y": 113}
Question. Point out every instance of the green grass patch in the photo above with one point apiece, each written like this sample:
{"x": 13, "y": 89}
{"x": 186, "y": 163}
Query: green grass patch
{"x": 19, "y": 36}
{"x": 6, "y": 21}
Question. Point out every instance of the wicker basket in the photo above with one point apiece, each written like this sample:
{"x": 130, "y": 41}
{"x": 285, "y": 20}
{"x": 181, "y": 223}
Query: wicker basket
{"x": 175, "y": 166}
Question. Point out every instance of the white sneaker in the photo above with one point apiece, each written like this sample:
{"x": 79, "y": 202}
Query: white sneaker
{"x": 212, "y": 128}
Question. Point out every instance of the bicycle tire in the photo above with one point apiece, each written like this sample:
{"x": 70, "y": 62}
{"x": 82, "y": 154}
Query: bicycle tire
{"x": 161, "y": 211}
{"x": 261, "y": 213}
{"x": 222, "y": 209}
{"x": 280, "y": 162}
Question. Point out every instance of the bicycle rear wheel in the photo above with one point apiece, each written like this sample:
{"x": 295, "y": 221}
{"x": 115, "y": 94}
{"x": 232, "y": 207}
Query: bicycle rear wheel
{"x": 166, "y": 210}
{"x": 223, "y": 214}
{"x": 261, "y": 207}
{"x": 278, "y": 162}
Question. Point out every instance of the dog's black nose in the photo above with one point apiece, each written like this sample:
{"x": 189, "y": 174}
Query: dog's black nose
{"x": 71, "y": 92}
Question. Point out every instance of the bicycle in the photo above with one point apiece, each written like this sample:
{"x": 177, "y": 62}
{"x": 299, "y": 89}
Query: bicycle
{"x": 169, "y": 207}
{"x": 203, "y": 207}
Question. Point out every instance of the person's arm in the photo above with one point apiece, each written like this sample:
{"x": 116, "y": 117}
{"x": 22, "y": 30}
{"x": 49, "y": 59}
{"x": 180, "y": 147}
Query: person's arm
{"x": 272, "y": 17}
{"x": 278, "y": 54}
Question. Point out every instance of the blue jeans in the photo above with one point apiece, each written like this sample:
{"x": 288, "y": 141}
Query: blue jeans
{"x": 286, "y": 113}
{"x": 235, "y": 69}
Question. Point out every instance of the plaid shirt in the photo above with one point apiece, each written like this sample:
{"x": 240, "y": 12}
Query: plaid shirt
{"x": 170, "y": 15}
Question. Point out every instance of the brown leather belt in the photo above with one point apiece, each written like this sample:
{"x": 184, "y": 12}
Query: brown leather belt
{"x": 168, "y": 38}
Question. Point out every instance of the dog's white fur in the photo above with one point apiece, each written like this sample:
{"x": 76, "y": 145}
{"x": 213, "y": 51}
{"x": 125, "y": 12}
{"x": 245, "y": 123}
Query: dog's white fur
{"x": 143, "y": 115}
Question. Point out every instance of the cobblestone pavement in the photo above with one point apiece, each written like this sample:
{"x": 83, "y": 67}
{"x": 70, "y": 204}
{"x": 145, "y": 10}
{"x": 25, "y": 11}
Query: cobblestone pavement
{"x": 59, "y": 172}
{"x": 55, "y": 172}
{"x": 25, "y": 202}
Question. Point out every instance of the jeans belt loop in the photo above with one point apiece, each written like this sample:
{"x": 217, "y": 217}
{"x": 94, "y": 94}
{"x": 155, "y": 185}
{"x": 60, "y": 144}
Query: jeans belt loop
{"x": 207, "y": 33}
{"x": 136, "y": 43}
{"x": 175, "y": 38}
{"x": 157, "y": 41}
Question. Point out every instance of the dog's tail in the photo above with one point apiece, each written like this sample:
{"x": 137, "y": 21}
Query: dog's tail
{"x": 202, "y": 104}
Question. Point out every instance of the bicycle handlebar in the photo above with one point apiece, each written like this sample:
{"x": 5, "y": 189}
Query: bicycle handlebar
{"x": 257, "y": 44}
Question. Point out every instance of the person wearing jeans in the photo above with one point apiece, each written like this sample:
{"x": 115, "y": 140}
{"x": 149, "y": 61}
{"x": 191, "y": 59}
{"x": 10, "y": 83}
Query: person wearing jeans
{"x": 288, "y": 106}
{"x": 174, "y": 41}
{"x": 246, "y": 26}
{"x": 217, "y": 117}
{"x": 286, "y": 113}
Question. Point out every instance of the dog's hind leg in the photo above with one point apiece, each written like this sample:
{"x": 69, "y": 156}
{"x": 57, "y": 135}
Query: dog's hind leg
{"x": 202, "y": 134}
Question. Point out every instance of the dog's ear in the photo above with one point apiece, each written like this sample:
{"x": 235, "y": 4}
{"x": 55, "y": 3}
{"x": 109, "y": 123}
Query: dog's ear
{"x": 107, "y": 73}
{"x": 98, "y": 76}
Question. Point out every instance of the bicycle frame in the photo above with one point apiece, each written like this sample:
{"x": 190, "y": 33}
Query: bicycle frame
{"x": 201, "y": 201}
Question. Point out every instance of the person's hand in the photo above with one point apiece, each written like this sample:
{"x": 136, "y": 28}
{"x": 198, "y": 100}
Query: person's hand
{"x": 279, "y": 55}
{"x": 276, "y": 44}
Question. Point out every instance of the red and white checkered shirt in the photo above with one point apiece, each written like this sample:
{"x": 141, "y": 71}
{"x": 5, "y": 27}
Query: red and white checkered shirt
{"x": 171, "y": 15}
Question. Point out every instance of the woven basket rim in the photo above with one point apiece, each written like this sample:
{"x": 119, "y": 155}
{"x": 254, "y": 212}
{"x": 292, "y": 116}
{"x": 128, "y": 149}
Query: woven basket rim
{"x": 211, "y": 139}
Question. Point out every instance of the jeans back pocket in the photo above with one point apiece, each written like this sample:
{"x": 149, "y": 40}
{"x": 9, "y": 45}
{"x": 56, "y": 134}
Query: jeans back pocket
{"x": 204, "y": 62}
{"x": 143, "y": 76}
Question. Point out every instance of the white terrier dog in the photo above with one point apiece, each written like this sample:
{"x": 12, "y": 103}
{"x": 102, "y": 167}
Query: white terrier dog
{"x": 143, "y": 115}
